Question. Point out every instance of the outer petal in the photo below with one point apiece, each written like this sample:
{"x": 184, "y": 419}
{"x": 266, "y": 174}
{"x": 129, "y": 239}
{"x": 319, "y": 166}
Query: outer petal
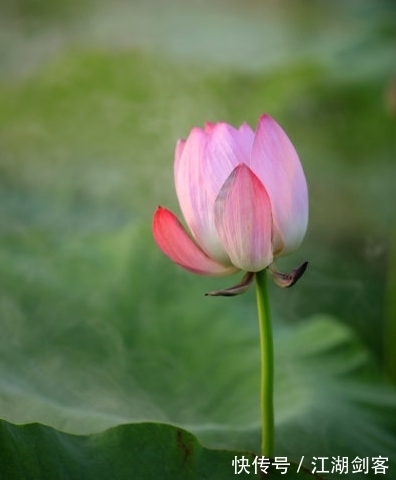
{"x": 243, "y": 220}
{"x": 201, "y": 167}
{"x": 174, "y": 241}
{"x": 179, "y": 149}
{"x": 275, "y": 161}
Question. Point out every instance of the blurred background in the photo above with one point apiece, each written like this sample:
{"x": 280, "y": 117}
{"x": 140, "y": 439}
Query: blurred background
{"x": 98, "y": 327}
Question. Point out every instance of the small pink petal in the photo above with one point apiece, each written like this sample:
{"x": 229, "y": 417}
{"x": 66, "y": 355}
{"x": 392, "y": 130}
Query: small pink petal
{"x": 243, "y": 220}
{"x": 275, "y": 161}
{"x": 174, "y": 241}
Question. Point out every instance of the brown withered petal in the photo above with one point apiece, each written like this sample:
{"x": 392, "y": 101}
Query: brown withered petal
{"x": 286, "y": 280}
{"x": 237, "y": 289}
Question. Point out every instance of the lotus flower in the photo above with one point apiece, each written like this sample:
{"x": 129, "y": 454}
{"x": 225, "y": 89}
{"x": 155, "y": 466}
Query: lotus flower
{"x": 244, "y": 198}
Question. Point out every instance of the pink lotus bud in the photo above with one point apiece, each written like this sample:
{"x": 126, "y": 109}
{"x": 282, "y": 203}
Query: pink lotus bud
{"x": 243, "y": 195}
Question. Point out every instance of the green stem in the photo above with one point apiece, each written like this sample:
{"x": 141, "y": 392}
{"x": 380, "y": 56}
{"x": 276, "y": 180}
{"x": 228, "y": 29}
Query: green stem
{"x": 267, "y": 365}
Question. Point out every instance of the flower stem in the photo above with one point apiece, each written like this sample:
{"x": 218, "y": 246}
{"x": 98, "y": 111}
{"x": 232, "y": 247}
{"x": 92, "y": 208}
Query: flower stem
{"x": 267, "y": 365}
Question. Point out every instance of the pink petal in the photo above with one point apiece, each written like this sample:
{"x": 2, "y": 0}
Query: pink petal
{"x": 179, "y": 149}
{"x": 174, "y": 241}
{"x": 243, "y": 220}
{"x": 209, "y": 126}
{"x": 275, "y": 161}
{"x": 207, "y": 159}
